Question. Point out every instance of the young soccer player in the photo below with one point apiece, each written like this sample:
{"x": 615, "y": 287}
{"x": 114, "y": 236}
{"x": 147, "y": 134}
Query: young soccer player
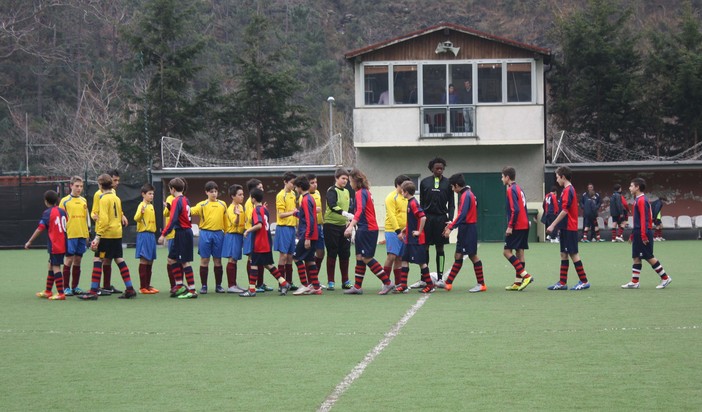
{"x": 307, "y": 236}
{"x": 517, "y": 232}
{"x": 145, "y": 218}
{"x": 551, "y": 209}
{"x": 213, "y": 222}
{"x": 414, "y": 241}
{"x": 261, "y": 254}
{"x": 180, "y": 251}
{"x": 395, "y": 221}
{"x": 108, "y": 288}
{"x": 107, "y": 243}
{"x": 284, "y": 240}
{"x": 619, "y": 212}
{"x": 248, "y": 214}
{"x": 366, "y": 236}
{"x": 569, "y": 233}
{"x": 76, "y": 208}
{"x": 319, "y": 244}
{"x": 336, "y": 218}
{"x": 234, "y": 238}
{"x": 641, "y": 236}
{"x": 590, "y": 201}
{"x": 467, "y": 244}
{"x": 657, "y": 211}
{"x": 52, "y": 220}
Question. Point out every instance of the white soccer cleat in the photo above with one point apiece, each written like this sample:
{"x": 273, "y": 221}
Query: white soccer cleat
{"x": 664, "y": 283}
{"x": 440, "y": 284}
{"x": 303, "y": 290}
{"x": 631, "y": 285}
{"x": 418, "y": 285}
{"x": 235, "y": 289}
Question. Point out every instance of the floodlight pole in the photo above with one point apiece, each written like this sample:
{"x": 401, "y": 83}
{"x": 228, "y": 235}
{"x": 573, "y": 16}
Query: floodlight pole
{"x": 330, "y": 99}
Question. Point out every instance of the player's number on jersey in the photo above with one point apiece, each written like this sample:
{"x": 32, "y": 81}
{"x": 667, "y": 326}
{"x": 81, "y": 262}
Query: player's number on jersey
{"x": 60, "y": 223}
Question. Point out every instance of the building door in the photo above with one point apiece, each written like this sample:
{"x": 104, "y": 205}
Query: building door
{"x": 490, "y": 192}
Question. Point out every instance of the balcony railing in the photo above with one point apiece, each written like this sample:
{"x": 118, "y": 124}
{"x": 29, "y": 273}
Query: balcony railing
{"x": 448, "y": 121}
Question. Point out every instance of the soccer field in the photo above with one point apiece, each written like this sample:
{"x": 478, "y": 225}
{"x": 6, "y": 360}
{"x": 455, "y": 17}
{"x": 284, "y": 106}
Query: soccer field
{"x": 600, "y": 349}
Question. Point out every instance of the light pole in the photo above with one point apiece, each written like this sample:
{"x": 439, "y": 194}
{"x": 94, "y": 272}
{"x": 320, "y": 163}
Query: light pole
{"x": 330, "y": 99}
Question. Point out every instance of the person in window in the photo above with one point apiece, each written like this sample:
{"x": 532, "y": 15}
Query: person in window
{"x": 466, "y": 93}
{"x": 384, "y": 98}
{"x": 452, "y": 96}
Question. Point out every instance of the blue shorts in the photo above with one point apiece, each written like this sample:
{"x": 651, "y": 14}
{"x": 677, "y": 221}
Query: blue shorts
{"x": 302, "y": 254}
{"x": 519, "y": 239}
{"x": 233, "y": 245}
{"x": 467, "y": 239}
{"x": 393, "y": 244}
{"x": 210, "y": 243}
{"x": 569, "y": 241}
{"x": 261, "y": 259}
{"x": 284, "y": 240}
{"x": 415, "y": 254}
{"x": 181, "y": 249}
{"x": 638, "y": 249}
{"x": 366, "y": 241}
{"x": 146, "y": 246}
{"x": 76, "y": 246}
{"x": 56, "y": 259}
{"x": 319, "y": 243}
{"x": 248, "y": 245}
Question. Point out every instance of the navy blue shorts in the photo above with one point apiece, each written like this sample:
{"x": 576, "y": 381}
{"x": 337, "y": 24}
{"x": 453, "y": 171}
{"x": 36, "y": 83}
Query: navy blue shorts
{"x": 366, "y": 241}
{"x": 109, "y": 249}
{"x": 210, "y": 243}
{"x": 146, "y": 246}
{"x": 569, "y": 241}
{"x": 181, "y": 249}
{"x": 467, "y": 243}
{"x": 284, "y": 240}
{"x": 618, "y": 220}
{"x": 590, "y": 222}
{"x": 302, "y": 254}
{"x": 233, "y": 246}
{"x": 416, "y": 254}
{"x": 519, "y": 239}
{"x": 261, "y": 259}
{"x": 638, "y": 249}
{"x": 56, "y": 259}
{"x": 76, "y": 246}
{"x": 319, "y": 243}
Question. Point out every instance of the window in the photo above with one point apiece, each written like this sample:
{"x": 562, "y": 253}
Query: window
{"x": 434, "y": 83}
{"x": 519, "y": 82}
{"x": 462, "y": 79}
{"x": 376, "y": 85}
{"x": 489, "y": 83}
{"x": 404, "y": 81}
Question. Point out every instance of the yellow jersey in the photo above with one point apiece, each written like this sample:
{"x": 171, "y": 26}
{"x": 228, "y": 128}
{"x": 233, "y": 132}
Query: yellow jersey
{"x": 167, "y": 214}
{"x": 213, "y": 215}
{"x": 236, "y": 221}
{"x": 395, "y": 212}
{"x": 285, "y": 202}
{"x": 317, "y": 201}
{"x": 248, "y": 213}
{"x": 76, "y": 208}
{"x": 96, "y": 203}
{"x": 109, "y": 222}
{"x": 146, "y": 220}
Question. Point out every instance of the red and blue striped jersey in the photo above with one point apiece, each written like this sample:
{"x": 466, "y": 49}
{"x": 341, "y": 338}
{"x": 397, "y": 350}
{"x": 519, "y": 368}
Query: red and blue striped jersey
{"x": 643, "y": 218}
{"x": 307, "y": 227}
{"x": 550, "y": 204}
{"x": 516, "y": 208}
{"x": 180, "y": 215}
{"x": 415, "y": 213}
{"x": 365, "y": 211}
{"x": 53, "y": 220}
{"x": 569, "y": 203}
{"x": 262, "y": 237}
{"x": 467, "y": 209}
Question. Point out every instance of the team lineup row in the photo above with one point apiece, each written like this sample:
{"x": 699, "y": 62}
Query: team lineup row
{"x": 243, "y": 228}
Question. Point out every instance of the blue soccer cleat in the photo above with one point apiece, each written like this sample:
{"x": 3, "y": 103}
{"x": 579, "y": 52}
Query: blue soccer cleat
{"x": 558, "y": 286}
{"x": 581, "y": 286}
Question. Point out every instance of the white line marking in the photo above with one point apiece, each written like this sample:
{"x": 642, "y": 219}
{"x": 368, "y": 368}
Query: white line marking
{"x": 357, "y": 371}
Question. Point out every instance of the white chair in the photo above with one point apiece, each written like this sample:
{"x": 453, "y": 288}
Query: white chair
{"x": 580, "y": 222}
{"x": 698, "y": 222}
{"x": 610, "y": 222}
{"x": 668, "y": 222}
{"x": 273, "y": 226}
{"x": 600, "y": 223}
{"x": 630, "y": 221}
{"x": 196, "y": 230}
{"x": 684, "y": 222}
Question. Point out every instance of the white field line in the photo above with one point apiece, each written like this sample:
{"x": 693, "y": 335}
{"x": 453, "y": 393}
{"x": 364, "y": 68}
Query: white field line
{"x": 357, "y": 371}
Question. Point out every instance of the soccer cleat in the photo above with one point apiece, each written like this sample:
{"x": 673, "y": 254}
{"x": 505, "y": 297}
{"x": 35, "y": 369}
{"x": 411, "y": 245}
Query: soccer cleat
{"x": 513, "y": 286}
{"x": 440, "y": 284}
{"x": 302, "y": 290}
{"x": 248, "y": 294}
{"x": 353, "y": 290}
{"x": 585, "y": 241}
{"x": 284, "y": 289}
{"x": 313, "y": 291}
{"x": 448, "y": 286}
{"x": 293, "y": 287}
{"x": 260, "y": 289}
{"x": 631, "y": 285}
{"x": 44, "y": 294}
{"x": 525, "y": 282}
{"x": 153, "y": 290}
{"x": 178, "y": 290}
{"x": 78, "y": 291}
{"x": 68, "y": 292}
{"x": 235, "y": 289}
{"x": 58, "y": 296}
{"x": 190, "y": 295}
{"x": 128, "y": 294}
{"x": 203, "y": 290}
{"x": 418, "y": 285}
{"x": 387, "y": 289}
{"x": 219, "y": 289}
{"x": 558, "y": 286}
{"x": 581, "y": 286}
{"x": 478, "y": 288}
{"x": 114, "y": 289}
{"x": 401, "y": 289}
{"x": 266, "y": 288}
{"x": 88, "y": 296}
{"x": 600, "y": 240}
{"x": 662, "y": 285}
{"x": 104, "y": 292}
{"x": 145, "y": 291}
{"x": 347, "y": 285}
{"x": 619, "y": 239}
{"x": 428, "y": 289}
{"x": 330, "y": 286}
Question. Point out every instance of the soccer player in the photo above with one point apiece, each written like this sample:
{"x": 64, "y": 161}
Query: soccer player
{"x": 76, "y": 208}
{"x": 307, "y": 236}
{"x": 167, "y": 214}
{"x": 213, "y": 221}
{"x": 145, "y": 218}
{"x": 336, "y": 218}
{"x": 108, "y": 288}
{"x": 619, "y": 212}
{"x": 590, "y": 201}
{"x": 395, "y": 221}
{"x": 366, "y": 236}
{"x": 107, "y": 243}
{"x": 517, "y": 232}
{"x": 569, "y": 233}
{"x": 414, "y": 238}
{"x": 261, "y": 254}
{"x": 551, "y": 209}
{"x": 436, "y": 198}
{"x": 319, "y": 245}
{"x": 641, "y": 235}
{"x": 234, "y": 237}
{"x": 248, "y": 214}
{"x": 52, "y": 220}
{"x": 656, "y": 211}
{"x": 180, "y": 251}
{"x": 467, "y": 244}
{"x": 284, "y": 240}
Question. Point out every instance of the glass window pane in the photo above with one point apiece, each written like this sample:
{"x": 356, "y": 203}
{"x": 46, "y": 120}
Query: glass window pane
{"x": 405, "y": 84}
{"x": 434, "y": 83}
{"x": 375, "y": 81}
{"x": 518, "y": 82}
{"x": 489, "y": 83}
{"x": 462, "y": 79}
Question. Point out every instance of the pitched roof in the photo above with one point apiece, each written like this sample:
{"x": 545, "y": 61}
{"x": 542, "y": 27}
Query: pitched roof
{"x": 442, "y": 26}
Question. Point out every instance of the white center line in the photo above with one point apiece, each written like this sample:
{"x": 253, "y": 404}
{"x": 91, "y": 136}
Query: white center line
{"x": 357, "y": 371}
